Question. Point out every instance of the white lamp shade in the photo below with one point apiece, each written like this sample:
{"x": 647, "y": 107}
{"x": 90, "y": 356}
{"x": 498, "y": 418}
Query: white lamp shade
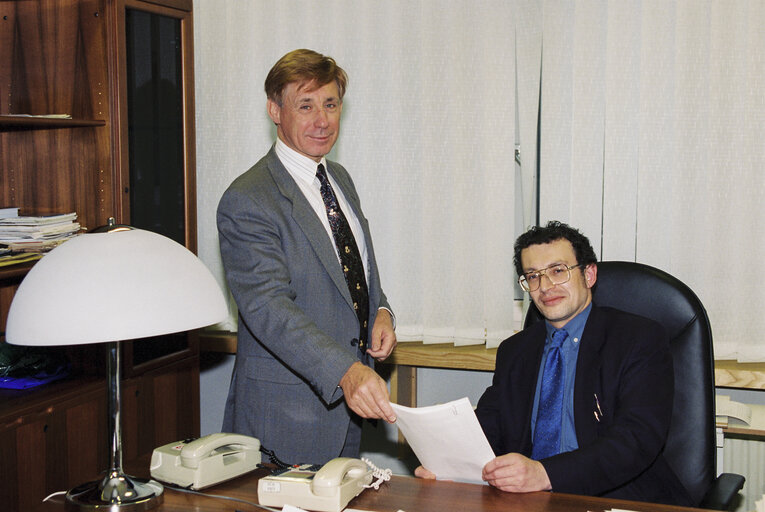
{"x": 122, "y": 285}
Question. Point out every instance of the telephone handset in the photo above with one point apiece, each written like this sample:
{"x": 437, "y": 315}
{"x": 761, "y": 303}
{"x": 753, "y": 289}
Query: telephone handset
{"x": 330, "y": 476}
{"x": 200, "y": 463}
{"x": 328, "y": 488}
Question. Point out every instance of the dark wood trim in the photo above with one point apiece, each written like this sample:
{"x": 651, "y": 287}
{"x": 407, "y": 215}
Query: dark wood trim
{"x": 181, "y": 5}
{"x": 182, "y": 11}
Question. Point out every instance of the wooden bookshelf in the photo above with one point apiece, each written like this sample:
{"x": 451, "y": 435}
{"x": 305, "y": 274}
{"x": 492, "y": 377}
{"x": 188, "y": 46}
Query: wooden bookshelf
{"x": 69, "y": 56}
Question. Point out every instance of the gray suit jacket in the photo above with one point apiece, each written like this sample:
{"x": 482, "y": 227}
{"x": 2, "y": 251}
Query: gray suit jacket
{"x": 296, "y": 317}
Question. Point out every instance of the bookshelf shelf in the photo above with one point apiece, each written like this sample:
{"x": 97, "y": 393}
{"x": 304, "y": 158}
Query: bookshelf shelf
{"x": 11, "y": 123}
{"x": 15, "y": 271}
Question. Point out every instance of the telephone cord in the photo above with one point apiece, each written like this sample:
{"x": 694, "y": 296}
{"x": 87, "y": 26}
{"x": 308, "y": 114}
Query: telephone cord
{"x": 382, "y": 475}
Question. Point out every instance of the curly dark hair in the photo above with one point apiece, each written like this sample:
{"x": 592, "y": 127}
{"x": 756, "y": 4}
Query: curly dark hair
{"x": 555, "y": 230}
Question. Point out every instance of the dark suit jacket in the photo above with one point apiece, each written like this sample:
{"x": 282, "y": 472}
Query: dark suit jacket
{"x": 296, "y": 316}
{"x": 623, "y": 359}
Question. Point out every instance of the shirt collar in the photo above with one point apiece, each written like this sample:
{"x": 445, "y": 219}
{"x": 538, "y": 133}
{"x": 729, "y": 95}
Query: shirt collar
{"x": 300, "y": 166}
{"x": 574, "y": 327}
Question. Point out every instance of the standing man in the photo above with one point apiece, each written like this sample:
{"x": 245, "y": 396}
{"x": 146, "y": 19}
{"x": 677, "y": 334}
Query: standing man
{"x": 580, "y": 403}
{"x": 300, "y": 264}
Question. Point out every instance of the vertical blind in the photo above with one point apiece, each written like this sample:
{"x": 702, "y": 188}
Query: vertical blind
{"x": 647, "y": 117}
{"x": 652, "y": 129}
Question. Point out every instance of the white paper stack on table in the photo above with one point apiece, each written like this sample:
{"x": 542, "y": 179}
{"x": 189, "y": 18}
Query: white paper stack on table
{"x": 447, "y": 439}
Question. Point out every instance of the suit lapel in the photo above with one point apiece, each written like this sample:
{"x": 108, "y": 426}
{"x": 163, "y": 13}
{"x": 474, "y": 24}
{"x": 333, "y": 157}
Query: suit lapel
{"x": 528, "y": 373}
{"x": 305, "y": 217}
{"x": 587, "y": 377}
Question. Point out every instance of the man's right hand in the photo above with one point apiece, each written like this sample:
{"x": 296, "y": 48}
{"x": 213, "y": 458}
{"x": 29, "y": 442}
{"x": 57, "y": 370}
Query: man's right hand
{"x": 366, "y": 393}
{"x": 513, "y": 472}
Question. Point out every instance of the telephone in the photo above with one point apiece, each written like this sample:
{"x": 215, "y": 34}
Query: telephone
{"x": 200, "y": 463}
{"x": 326, "y": 488}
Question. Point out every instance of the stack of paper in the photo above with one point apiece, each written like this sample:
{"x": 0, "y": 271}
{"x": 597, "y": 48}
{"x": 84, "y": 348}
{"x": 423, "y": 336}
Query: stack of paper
{"x": 49, "y": 227}
{"x": 727, "y": 409}
{"x": 36, "y": 234}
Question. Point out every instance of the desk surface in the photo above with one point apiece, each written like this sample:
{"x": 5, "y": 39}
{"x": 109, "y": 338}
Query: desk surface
{"x": 401, "y": 493}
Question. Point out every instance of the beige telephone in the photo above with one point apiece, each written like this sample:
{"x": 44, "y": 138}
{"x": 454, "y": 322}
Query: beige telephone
{"x": 325, "y": 489}
{"x": 200, "y": 463}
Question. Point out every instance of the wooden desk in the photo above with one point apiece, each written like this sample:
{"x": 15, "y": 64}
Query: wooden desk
{"x": 405, "y": 493}
{"x": 408, "y": 356}
{"x": 477, "y": 357}
{"x": 755, "y": 431}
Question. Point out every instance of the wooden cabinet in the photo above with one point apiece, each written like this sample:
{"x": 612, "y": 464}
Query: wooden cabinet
{"x": 162, "y": 406}
{"x": 75, "y": 57}
{"x": 50, "y": 438}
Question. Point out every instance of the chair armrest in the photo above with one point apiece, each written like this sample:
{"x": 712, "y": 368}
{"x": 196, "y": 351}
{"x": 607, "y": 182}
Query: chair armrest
{"x": 720, "y": 495}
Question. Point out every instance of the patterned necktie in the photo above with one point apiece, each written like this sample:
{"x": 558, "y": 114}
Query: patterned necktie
{"x": 350, "y": 258}
{"x": 550, "y": 409}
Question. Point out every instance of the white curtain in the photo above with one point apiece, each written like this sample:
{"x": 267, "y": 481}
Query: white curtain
{"x": 428, "y": 133}
{"x": 652, "y": 122}
{"x": 652, "y": 130}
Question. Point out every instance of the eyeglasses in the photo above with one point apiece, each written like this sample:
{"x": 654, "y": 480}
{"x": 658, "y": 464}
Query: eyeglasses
{"x": 557, "y": 274}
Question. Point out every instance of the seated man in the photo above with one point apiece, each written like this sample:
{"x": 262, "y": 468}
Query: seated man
{"x": 580, "y": 403}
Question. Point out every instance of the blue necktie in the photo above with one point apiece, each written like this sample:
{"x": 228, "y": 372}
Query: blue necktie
{"x": 550, "y": 409}
{"x": 350, "y": 258}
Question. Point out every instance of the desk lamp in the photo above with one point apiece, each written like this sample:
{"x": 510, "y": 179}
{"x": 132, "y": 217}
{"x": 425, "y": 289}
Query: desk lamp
{"x": 106, "y": 287}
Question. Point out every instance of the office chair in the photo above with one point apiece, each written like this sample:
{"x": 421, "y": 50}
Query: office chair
{"x": 691, "y": 448}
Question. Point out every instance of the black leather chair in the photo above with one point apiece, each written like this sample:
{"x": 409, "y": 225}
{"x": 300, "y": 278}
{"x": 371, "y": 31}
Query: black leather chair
{"x": 691, "y": 447}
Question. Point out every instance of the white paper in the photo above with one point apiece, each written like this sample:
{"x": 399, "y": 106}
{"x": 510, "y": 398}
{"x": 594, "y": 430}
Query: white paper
{"x": 447, "y": 439}
{"x": 736, "y": 410}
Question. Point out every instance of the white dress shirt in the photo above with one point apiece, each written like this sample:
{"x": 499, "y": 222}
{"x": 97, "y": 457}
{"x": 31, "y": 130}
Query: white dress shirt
{"x": 303, "y": 171}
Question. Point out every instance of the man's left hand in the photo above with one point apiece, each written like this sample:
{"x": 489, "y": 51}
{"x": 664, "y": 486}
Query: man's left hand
{"x": 513, "y": 472}
{"x": 383, "y": 336}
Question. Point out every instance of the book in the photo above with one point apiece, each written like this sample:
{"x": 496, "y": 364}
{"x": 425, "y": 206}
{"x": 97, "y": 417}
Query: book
{"x": 33, "y": 245}
{"x": 41, "y": 116}
{"x": 15, "y": 259}
{"x": 8, "y": 212}
{"x": 39, "y": 220}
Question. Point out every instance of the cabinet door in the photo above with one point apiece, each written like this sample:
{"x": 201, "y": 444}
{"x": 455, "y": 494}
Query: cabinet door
{"x": 53, "y": 449}
{"x": 156, "y": 122}
{"x": 160, "y": 407}
{"x": 157, "y": 167}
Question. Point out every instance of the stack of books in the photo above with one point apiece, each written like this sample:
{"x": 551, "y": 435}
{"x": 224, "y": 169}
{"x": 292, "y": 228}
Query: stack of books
{"x": 26, "y": 238}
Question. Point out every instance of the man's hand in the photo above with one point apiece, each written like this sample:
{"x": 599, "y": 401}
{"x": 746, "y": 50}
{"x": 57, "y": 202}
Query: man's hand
{"x": 421, "y": 472}
{"x": 366, "y": 393}
{"x": 513, "y": 472}
{"x": 383, "y": 336}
